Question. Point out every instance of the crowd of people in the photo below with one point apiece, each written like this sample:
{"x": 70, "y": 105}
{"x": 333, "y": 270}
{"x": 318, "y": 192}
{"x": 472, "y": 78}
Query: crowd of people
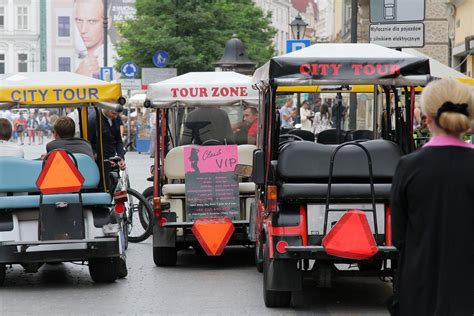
{"x": 30, "y": 127}
{"x": 314, "y": 115}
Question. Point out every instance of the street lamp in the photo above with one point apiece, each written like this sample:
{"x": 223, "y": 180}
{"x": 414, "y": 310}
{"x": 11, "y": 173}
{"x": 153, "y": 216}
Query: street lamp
{"x": 298, "y": 27}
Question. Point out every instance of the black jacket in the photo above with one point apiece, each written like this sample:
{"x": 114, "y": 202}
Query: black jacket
{"x": 73, "y": 145}
{"x": 111, "y": 137}
{"x": 433, "y": 227}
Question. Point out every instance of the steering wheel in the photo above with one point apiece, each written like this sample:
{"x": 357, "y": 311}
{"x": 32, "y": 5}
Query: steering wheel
{"x": 211, "y": 142}
{"x": 285, "y": 139}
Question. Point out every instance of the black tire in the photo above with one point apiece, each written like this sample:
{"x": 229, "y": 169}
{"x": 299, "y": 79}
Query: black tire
{"x": 103, "y": 270}
{"x": 258, "y": 258}
{"x": 137, "y": 231}
{"x": 165, "y": 256}
{"x": 273, "y": 298}
{"x": 148, "y": 195}
{"x": 122, "y": 270}
{"x": 2, "y": 274}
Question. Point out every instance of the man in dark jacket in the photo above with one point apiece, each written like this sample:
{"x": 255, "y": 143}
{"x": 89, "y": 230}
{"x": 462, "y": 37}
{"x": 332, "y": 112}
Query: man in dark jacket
{"x": 63, "y": 133}
{"x": 112, "y": 143}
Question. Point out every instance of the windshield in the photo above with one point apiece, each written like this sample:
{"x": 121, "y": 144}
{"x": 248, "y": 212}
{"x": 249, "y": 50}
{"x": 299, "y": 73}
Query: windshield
{"x": 213, "y": 125}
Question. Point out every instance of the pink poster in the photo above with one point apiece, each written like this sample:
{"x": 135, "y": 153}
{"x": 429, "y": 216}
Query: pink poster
{"x": 212, "y": 188}
{"x": 209, "y": 159}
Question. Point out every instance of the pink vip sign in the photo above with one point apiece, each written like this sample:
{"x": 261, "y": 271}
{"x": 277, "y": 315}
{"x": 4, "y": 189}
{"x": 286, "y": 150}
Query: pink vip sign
{"x": 212, "y": 188}
{"x": 210, "y": 159}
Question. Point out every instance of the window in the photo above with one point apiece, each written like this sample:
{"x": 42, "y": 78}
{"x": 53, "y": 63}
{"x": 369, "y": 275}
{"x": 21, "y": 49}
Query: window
{"x": 2, "y": 64}
{"x": 22, "y": 18}
{"x": 64, "y": 26}
{"x": 22, "y": 62}
{"x": 64, "y": 64}
{"x": 2, "y": 18}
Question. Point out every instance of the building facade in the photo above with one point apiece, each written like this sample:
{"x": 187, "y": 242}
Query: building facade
{"x": 282, "y": 13}
{"x": 325, "y": 23}
{"x": 19, "y": 36}
{"x": 462, "y": 35}
{"x": 308, "y": 9}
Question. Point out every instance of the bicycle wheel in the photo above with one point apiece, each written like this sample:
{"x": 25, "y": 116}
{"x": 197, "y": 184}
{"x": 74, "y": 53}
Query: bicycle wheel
{"x": 137, "y": 210}
{"x": 148, "y": 195}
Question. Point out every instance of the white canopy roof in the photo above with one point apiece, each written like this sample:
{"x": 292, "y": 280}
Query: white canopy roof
{"x": 138, "y": 99}
{"x": 203, "y": 88}
{"x": 437, "y": 69}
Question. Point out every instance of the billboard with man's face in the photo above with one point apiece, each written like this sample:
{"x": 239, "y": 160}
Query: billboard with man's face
{"x": 76, "y": 34}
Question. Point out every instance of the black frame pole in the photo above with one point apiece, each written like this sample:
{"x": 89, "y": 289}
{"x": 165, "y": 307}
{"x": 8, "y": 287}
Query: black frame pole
{"x": 353, "y": 96}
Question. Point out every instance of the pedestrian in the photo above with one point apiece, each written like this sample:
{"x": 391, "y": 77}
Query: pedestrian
{"x": 287, "y": 114}
{"x": 32, "y": 125}
{"x": 306, "y": 116}
{"x": 19, "y": 126}
{"x": 322, "y": 120}
{"x": 432, "y": 210}
{"x": 42, "y": 128}
{"x": 152, "y": 124}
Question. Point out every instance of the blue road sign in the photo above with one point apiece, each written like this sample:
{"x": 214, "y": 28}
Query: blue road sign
{"x": 106, "y": 73}
{"x": 160, "y": 58}
{"x": 292, "y": 45}
{"x": 129, "y": 69}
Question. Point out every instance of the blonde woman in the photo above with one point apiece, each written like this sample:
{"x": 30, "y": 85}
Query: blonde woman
{"x": 433, "y": 210}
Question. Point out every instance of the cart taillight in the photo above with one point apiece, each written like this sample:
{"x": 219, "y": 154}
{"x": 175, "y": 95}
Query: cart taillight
{"x": 272, "y": 196}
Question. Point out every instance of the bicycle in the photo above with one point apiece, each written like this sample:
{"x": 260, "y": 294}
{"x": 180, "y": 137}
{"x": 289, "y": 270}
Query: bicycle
{"x": 137, "y": 213}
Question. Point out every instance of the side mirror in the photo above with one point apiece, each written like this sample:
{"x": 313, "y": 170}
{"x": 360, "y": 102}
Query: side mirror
{"x": 244, "y": 171}
{"x": 258, "y": 170}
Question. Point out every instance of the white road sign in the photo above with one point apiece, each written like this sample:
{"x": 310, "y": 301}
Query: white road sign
{"x": 398, "y": 35}
{"x": 153, "y": 75}
{"x": 131, "y": 84}
{"x": 390, "y": 11}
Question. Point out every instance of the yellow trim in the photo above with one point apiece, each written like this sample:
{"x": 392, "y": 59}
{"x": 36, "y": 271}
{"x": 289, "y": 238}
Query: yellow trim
{"x": 355, "y": 88}
{"x": 37, "y": 95}
{"x": 84, "y": 123}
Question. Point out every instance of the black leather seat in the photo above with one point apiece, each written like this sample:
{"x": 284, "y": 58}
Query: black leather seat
{"x": 360, "y": 134}
{"x": 303, "y": 170}
{"x": 329, "y": 137}
{"x": 305, "y": 135}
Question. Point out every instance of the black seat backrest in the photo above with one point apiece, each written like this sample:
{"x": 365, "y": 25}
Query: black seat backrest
{"x": 305, "y": 135}
{"x": 329, "y": 137}
{"x": 307, "y": 162}
{"x": 360, "y": 134}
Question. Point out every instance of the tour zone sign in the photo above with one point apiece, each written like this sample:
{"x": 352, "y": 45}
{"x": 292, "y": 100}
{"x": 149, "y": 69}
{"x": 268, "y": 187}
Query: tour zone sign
{"x": 398, "y": 35}
{"x": 397, "y": 23}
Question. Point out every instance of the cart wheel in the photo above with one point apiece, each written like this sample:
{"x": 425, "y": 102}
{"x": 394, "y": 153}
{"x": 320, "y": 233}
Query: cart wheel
{"x": 273, "y": 298}
{"x": 103, "y": 270}
{"x": 165, "y": 256}
{"x": 258, "y": 257}
{"x": 2, "y": 274}
{"x": 122, "y": 270}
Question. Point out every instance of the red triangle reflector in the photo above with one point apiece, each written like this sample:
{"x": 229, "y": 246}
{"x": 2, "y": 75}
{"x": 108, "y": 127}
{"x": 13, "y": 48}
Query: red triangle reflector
{"x": 351, "y": 237}
{"x": 213, "y": 234}
{"x": 59, "y": 175}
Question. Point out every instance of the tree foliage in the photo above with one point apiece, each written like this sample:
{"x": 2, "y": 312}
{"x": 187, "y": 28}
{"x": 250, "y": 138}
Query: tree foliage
{"x": 194, "y": 32}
